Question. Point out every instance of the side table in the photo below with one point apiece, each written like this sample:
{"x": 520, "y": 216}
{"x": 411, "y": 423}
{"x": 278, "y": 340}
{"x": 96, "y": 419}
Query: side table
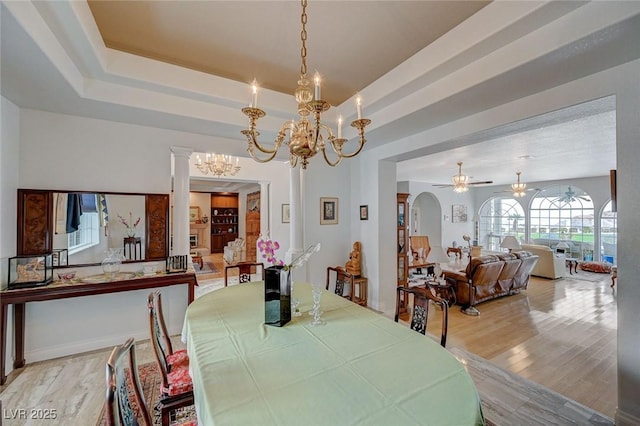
{"x": 457, "y": 250}
{"x": 572, "y": 263}
{"x": 444, "y": 291}
{"x": 134, "y": 246}
{"x": 360, "y": 297}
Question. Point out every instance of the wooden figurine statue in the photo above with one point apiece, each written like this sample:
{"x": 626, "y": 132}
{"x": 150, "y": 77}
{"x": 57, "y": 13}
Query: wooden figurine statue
{"x": 353, "y": 264}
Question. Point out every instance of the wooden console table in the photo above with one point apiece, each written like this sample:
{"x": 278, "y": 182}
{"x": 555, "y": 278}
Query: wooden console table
{"x": 59, "y": 290}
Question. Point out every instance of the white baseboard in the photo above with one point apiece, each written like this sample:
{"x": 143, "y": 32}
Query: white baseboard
{"x": 626, "y": 419}
{"x": 101, "y": 342}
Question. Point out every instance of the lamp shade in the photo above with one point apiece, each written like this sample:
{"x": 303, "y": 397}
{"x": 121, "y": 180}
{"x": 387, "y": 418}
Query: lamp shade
{"x": 437, "y": 255}
{"x": 562, "y": 245}
{"x": 510, "y": 242}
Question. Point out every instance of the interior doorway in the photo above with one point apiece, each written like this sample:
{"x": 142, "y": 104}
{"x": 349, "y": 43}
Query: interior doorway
{"x": 252, "y": 225}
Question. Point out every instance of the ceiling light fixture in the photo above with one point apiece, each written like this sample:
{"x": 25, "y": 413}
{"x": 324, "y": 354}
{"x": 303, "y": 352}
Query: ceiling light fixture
{"x": 306, "y": 139}
{"x": 519, "y": 189}
{"x": 218, "y": 164}
{"x": 460, "y": 181}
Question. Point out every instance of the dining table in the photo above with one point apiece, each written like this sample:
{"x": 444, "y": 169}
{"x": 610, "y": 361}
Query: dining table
{"x": 358, "y": 368}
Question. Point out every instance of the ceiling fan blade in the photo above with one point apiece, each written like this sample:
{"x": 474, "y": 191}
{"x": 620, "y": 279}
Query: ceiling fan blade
{"x": 443, "y": 185}
{"x": 480, "y": 183}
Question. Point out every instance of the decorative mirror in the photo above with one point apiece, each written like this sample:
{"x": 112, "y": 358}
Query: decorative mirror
{"x": 86, "y": 224}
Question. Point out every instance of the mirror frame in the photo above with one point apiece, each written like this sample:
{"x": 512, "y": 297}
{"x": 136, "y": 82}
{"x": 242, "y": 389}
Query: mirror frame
{"x": 35, "y": 223}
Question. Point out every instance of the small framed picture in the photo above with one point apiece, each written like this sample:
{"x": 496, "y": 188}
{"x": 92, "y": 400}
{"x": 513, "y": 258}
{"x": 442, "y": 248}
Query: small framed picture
{"x": 328, "y": 211}
{"x": 364, "y": 212}
{"x": 194, "y": 214}
{"x": 459, "y": 213}
{"x": 286, "y": 214}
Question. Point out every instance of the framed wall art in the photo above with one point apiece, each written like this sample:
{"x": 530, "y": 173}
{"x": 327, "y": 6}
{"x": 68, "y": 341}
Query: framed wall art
{"x": 194, "y": 214}
{"x": 328, "y": 211}
{"x": 458, "y": 213}
{"x": 364, "y": 212}
{"x": 286, "y": 213}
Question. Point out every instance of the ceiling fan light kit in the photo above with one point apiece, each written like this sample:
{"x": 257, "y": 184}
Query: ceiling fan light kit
{"x": 461, "y": 182}
{"x": 518, "y": 188}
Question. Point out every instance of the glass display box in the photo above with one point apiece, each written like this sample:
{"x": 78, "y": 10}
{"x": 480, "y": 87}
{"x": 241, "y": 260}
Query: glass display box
{"x": 60, "y": 257}
{"x": 30, "y": 271}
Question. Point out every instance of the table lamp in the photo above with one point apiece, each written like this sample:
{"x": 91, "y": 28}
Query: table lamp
{"x": 510, "y": 242}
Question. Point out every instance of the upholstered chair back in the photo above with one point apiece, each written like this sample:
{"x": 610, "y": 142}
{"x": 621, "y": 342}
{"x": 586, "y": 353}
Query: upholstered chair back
{"x": 420, "y": 248}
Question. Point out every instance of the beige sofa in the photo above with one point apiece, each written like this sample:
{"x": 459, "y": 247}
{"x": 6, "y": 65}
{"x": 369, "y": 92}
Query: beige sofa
{"x": 550, "y": 264}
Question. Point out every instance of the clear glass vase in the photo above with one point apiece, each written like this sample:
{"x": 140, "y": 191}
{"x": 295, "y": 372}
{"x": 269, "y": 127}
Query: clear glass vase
{"x": 112, "y": 263}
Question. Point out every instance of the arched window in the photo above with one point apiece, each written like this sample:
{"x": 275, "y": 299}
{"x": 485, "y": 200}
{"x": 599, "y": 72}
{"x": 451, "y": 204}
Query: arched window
{"x": 608, "y": 235}
{"x": 499, "y": 217}
{"x": 563, "y": 214}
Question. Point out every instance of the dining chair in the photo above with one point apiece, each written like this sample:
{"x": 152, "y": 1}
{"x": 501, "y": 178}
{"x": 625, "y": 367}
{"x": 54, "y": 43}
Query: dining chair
{"x": 342, "y": 279}
{"x": 420, "y": 310}
{"x": 119, "y": 410}
{"x": 245, "y": 270}
{"x": 176, "y": 388}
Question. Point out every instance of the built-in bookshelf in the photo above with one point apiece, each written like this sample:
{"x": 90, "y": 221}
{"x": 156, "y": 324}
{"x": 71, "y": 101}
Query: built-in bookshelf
{"x": 224, "y": 220}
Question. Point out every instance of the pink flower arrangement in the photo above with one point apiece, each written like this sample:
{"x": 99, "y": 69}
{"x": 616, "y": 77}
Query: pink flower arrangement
{"x": 268, "y": 249}
{"x": 130, "y": 225}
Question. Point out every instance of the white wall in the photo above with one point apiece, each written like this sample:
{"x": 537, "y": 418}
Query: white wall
{"x": 322, "y": 180}
{"x": 9, "y": 148}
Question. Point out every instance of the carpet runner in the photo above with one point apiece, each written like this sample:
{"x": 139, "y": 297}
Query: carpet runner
{"x": 149, "y": 376}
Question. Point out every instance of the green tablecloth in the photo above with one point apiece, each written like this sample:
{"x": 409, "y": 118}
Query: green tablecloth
{"x": 359, "y": 369}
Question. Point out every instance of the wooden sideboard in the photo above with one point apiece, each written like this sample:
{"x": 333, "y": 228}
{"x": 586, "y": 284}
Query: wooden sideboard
{"x": 59, "y": 290}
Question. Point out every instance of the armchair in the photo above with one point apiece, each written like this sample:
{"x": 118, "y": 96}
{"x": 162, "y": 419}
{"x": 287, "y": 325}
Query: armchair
{"x": 550, "y": 264}
{"x": 420, "y": 249}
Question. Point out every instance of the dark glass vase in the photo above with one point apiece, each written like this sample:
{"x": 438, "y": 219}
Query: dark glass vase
{"x": 277, "y": 296}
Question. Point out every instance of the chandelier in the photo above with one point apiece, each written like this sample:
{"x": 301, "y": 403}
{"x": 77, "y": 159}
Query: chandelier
{"x": 218, "y": 164}
{"x": 460, "y": 181}
{"x": 309, "y": 135}
{"x": 519, "y": 189}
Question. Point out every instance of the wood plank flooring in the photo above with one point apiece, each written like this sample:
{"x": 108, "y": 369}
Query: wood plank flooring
{"x": 560, "y": 334}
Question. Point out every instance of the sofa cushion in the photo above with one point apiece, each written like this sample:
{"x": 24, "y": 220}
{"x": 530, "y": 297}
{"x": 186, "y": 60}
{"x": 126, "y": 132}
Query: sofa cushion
{"x": 477, "y": 261}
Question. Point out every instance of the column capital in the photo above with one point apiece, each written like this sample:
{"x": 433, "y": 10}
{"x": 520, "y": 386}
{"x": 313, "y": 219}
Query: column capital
{"x": 181, "y": 151}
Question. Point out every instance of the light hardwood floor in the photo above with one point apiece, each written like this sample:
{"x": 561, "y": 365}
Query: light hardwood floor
{"x": 560, "y": 334}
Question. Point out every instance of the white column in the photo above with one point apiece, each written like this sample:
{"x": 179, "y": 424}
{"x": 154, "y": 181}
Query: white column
{"x": 181, "y": 200}
{"x": 295, "y": 209}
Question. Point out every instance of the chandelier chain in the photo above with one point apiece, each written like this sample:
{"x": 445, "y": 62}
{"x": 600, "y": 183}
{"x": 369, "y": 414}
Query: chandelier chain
{"x": 303, "y": 38}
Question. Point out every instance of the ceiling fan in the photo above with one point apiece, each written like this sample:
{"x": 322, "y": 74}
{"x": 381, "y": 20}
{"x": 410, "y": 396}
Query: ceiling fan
{"x": 570, "y": 196}
{"x": 461, "y": 182}
{"x": 518, "y": 189}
